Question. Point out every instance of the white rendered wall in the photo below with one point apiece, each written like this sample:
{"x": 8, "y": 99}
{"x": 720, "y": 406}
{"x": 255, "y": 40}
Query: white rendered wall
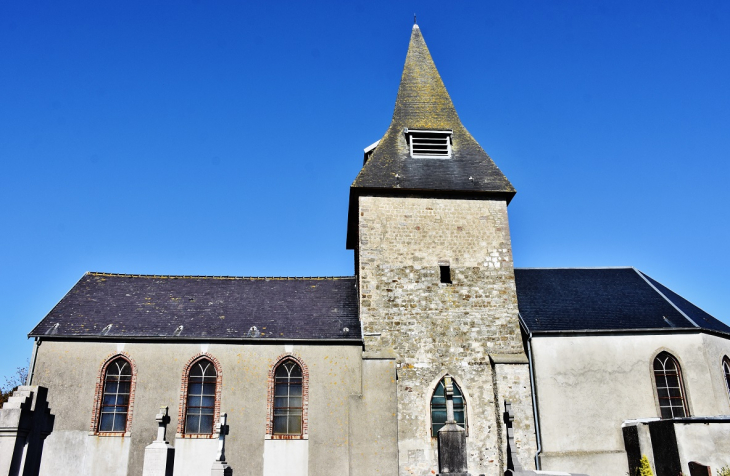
{"x": 76, "y": 453}
{"x": 286, "y": 458}
{"x": 194, "y": 456}
{"x": 587, "y": 386}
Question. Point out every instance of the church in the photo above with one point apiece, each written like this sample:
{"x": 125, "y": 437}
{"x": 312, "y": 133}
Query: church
{"x": 356, "y": 375}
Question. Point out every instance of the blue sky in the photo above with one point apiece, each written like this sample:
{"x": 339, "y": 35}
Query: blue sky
{"x": 220, "y": 138}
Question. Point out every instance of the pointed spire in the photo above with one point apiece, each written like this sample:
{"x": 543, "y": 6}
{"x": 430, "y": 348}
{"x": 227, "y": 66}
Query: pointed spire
{"x": 424, "y": 104}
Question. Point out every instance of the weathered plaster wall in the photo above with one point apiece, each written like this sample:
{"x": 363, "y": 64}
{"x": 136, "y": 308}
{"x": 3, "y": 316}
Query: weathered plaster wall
{"x": 70, "y": 370}
{"x": 432, "y": 328}
{"x": 707, "y": 444}
{"x": 587, "y": 386}
{"x": 373, "y": 421}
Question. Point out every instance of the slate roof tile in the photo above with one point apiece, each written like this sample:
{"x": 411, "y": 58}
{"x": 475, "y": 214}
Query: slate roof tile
{"x": 575, "y": 299}
{"x": 212, "y": 307}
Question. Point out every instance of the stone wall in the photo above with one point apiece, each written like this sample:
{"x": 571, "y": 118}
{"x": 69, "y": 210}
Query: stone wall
{"x": 432, "y": 328}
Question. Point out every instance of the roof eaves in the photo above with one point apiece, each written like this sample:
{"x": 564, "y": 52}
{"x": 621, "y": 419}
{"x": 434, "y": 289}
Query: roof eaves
{"x": 243, "y": 340}
{"x": 653, "y": 330}
{"x": 242, "y": 278}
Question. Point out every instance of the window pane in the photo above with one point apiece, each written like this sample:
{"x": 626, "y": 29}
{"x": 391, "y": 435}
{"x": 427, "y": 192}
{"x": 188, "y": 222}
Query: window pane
{"x": 208, "y": 402}
{"x": 120, "y": 421}
{"x": 192, "y": 423}
{"x": 295, "y": 425}
{"x": 195, "y": 388}
{"x": 280, "y": 402}
{"x": 194, "y": 401}
{"x": 109, "y": 399}
{"x": 279, "y": 424}
{"x": 107, "y": 419}
{"x": 438, "y": 416}
{"x": 206, "y": 424}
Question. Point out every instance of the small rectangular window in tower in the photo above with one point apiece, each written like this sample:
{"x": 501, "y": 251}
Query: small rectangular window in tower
{"x": 429, "y": 144}
{"x": 445, "y": 274}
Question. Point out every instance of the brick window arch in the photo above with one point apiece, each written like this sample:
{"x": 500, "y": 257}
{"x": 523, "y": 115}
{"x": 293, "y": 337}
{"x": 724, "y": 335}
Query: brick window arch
{"x": 288, "y": 399}
{"x": 670, "y": 387}
{"x": 438, "y": 407}
{"x": 200, "y": 397}
{"x": 726, "y": 371}
{"x": 114, "y": 396}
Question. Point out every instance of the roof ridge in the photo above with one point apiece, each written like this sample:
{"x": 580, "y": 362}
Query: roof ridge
{"x": 671, "y": 303}
{"x": 579, "y": 267}
{"x": 249, "y": 278}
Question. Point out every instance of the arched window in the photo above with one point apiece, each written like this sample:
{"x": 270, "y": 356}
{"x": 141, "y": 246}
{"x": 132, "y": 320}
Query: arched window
{"x": 669, "y": 387}
{"x": 114, "y": 406}
{"x": 200, "y": 401}
{"x": 438, "y": 407}
{"x": 726, "y": 370}
{"x": 288, "y": 408}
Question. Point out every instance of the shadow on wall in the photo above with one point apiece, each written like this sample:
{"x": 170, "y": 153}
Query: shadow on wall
{"x": 25, "y": 422}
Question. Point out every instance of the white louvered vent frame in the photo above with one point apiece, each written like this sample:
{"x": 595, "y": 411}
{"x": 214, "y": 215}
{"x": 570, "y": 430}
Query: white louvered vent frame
{"x": 429, "y": 144}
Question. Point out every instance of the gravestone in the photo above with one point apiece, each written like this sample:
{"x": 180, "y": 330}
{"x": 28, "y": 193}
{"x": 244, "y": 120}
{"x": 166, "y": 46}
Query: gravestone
{"x": 159, "y": 457}
{"x": 220, "y": 467}
{"x": 451, "y": 439}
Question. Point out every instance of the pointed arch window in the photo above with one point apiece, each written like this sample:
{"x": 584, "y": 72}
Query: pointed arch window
{"x": 288, "y": 403}
{"x": 200, "y": 403}
{"x": 114, "y": 408}
{"x": 669, "y": 387}
{"x": 726, "y": 371}
{"x": 438, "y": 407}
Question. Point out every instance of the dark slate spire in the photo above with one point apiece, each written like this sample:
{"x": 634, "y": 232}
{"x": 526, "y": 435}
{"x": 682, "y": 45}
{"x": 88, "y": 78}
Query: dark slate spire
{"x": 424, "y": 103}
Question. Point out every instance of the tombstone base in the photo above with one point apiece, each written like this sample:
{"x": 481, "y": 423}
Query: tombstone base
{"x": 221, "y": 468}
{"x": 159, "y": 458}
{"x": 452, "y": 450}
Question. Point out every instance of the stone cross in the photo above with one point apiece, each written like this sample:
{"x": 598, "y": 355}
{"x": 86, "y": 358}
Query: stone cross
{"x": 512, "y": 462}
{"x": 222, "y": 429}
{"x": 162, "y": 420}
{"x": 449, "y": 392}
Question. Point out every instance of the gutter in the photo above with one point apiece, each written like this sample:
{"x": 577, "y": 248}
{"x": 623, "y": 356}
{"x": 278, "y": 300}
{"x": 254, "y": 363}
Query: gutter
{"x": 535, "y": 412}
{"x": 207, "y": 339}
{"x": 33, "y": 358}
{"x": 635, "y": 331}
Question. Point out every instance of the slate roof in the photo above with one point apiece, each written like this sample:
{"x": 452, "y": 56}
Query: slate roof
{"x": 424, "y": 103}
{"x": 205, "y": 307}
{"x": 603, "y": 299}
{"x": 154, "y": 307}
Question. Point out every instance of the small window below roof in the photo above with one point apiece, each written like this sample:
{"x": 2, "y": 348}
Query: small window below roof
{"x": 429, "y": 144}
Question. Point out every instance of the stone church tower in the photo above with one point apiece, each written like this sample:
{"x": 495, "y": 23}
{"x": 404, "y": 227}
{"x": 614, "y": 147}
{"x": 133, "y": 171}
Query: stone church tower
{"x": 428, "y": 223}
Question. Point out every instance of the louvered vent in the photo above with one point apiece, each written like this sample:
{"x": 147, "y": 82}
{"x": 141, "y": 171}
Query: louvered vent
{"x": 429, "y": 144}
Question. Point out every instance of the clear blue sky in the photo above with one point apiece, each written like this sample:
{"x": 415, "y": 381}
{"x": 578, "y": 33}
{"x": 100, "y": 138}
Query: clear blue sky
{"x": 220, "y": 138}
